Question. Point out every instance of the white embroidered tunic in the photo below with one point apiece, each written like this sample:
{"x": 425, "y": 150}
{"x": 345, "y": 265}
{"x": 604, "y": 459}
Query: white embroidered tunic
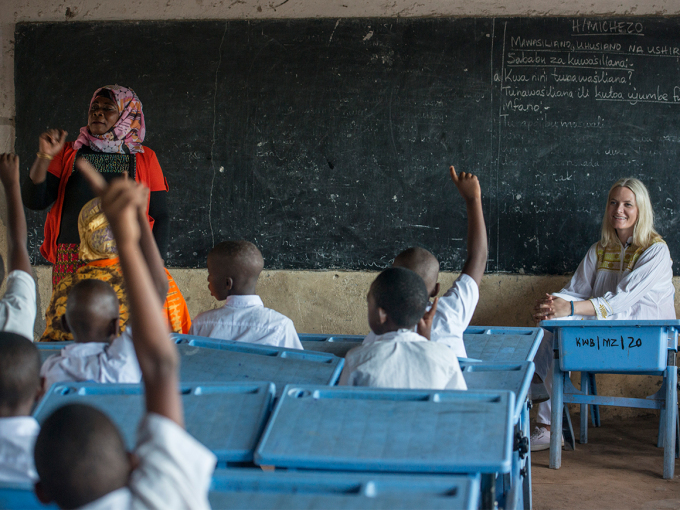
{"x": 625, "y": 282}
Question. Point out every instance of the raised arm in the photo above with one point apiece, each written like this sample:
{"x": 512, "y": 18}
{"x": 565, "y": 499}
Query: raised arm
{"x": 477, "y": 250}
{"x": 151, "y": 253}
{"x": 16, "y": 220}
{"x": 49, "y": 145}
{"x": 157, "y": 355}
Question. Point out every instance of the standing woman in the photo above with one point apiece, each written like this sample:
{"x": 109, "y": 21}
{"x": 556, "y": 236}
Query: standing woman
{"x": 626, "y": 275}
{"x": 112, "y": 143}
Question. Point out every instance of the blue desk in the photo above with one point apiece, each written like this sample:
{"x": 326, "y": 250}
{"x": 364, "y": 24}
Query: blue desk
{"x": 207, "y": 359}
{"x": 21, "y": 497}
{"x": 46, "y": 349}
{"x": 332, "y": 344}
{"x": 228, "y": 418}
{"x": 515, "y": 489}
{"x": 251, "y": 489}
{"x": 623, "y": 347}
{"x": 506, "y": 345}
{"x": 408, "y": 431}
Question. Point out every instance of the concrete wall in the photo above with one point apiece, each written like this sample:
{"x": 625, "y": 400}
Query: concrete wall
{"x": 326, "y": 301}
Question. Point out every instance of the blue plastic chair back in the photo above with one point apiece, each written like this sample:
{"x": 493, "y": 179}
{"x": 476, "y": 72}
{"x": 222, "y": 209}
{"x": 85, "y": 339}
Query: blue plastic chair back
{"x": 515, "y": 377}
{"x": 338, "y": 345}
{"x": 206, "y": 359}
{"x": 614, "y": 346}
{"x": 506, "y": 345}
{"x": 254, "y": 489}
{"x": 228, "y": 418}
{"x": 371, "y": 429}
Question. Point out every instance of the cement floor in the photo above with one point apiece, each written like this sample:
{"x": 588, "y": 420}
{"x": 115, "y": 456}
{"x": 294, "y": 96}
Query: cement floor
{"x": 619, "y": 468}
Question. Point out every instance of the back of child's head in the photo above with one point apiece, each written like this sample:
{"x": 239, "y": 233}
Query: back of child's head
{"x": 80, "y": 456}
{"x": 92, "y": 311}
{"x": 420, "y": 261}
{"x": 402, "y": 294}
{"x": 239, "y": 260}
{"x": 19, "y": 373}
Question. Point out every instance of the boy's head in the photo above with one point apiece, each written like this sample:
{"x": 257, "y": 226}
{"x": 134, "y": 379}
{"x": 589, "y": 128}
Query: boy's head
{"x": 397, "y": 299}
{"x": 80, "y": 456}
{"x": 233, "y": 269}
{"x": 92, "y": 312}
{"x": 19, "y": 375}
{"x": 422, "y": 262}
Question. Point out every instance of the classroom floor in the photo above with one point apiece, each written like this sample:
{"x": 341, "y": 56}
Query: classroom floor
{"x": 619, "y": 468}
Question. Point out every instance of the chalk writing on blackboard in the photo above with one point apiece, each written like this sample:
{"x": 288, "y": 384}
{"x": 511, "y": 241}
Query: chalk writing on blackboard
{"x": 606, "y": 343}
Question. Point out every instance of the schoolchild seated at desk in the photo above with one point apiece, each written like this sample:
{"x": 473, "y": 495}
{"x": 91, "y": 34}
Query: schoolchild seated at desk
{"x": 19, "y": 390}
{"x": 100, "y": 353}
{"x": 80, "y": 455}
{"x": 399, "y": 357}
{"x": 233, "y": 270}
{"x": 457, "y": 305}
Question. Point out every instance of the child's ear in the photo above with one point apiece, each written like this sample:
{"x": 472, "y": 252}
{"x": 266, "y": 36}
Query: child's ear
{"x": 40, "y": 494}
{"x": 133, "y": 461}
{"x": 435, "y": 292}
{"x": 228, "y": 283}
{"x": 382, "y": 315}
{"x": 64, "y": 324}
{"x": 114, "y": 328}
{"x": 41, "y": 390}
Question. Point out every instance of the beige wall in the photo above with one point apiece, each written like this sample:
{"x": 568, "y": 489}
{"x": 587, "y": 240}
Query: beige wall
{"x": 325, "y": 301}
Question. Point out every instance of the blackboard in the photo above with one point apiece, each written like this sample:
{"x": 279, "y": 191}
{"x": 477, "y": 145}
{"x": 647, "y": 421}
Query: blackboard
{"x": 327, "y": 142}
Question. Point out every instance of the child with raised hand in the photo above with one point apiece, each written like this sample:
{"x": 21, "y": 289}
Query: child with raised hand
{"x": 457, "y": 305}
{"x": 18, "y": 305}
{"x": 80, "y": 455}
{"x": 399, "y": 357}
{"x": 233, "y": 270}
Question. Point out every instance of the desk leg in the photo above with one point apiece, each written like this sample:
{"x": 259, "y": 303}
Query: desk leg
{"x": 585, "y": 388}
{"x": 556, "y": 414}
{"x": 671, "y": 418}
{"x": 526, "y": 481}
{"x": 595, "y": 409}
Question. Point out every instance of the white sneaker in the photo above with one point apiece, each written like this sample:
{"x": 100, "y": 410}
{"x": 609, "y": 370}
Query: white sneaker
{"x": 540, "y": 439}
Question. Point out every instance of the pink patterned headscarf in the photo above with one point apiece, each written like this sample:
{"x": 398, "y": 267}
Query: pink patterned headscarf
{"x": 128, "y": 130}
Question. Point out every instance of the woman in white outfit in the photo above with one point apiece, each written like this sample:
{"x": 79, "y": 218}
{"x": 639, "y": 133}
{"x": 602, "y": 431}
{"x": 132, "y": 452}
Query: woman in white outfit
{"x": 626, "y": 275}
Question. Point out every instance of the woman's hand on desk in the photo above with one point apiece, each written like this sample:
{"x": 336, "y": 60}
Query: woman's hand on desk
{"x": 551, "y": 307}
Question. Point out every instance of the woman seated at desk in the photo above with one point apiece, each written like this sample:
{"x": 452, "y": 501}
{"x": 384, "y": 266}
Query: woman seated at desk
{"x": 626, "y": 275}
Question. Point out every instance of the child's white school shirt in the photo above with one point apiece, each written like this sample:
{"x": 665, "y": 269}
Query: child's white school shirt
{"x": 174, "y": 471}
{"x": 245, "y": 319}
{"x": 18, "y": 305}
{"x": 453, "y": 315}
{"x": 17, "y": 438}
{"x": 94, "y": 361}
{"x": 403, "y": 359}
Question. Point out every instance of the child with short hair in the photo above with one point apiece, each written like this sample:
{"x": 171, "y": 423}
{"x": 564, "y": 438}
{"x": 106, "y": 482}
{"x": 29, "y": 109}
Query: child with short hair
{"x": 19, "y": 390}
{"x": 80, "y": 455}
{"x": 233, "y": 270}
{"x": 100, "y": 353}
{"x": 457, "y": 306}
{"x": 399, "y": 357}
{"x": 18, "y": 305}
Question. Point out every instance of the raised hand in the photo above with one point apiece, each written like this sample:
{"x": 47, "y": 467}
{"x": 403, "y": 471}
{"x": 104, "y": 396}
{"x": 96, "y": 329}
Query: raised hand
{"x": 425, "y": 324}
{"x": 9, "y": 169}
{"x": 467, "y": 184}
{"x": 52, "y": 141}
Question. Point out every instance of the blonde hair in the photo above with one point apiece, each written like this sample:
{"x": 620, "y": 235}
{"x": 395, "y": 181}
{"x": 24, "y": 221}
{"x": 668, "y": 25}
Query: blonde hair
{"x": 644, "y": 234}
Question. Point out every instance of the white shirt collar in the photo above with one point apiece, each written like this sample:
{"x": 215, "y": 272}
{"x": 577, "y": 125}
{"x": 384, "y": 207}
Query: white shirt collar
{"x": 401, "y": 335}
{"x": 84, "y": 349}
{"x": 244, "y": 301}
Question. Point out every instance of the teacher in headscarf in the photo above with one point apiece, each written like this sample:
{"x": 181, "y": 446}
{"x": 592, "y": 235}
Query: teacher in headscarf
{"x": 112, "y": 143}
